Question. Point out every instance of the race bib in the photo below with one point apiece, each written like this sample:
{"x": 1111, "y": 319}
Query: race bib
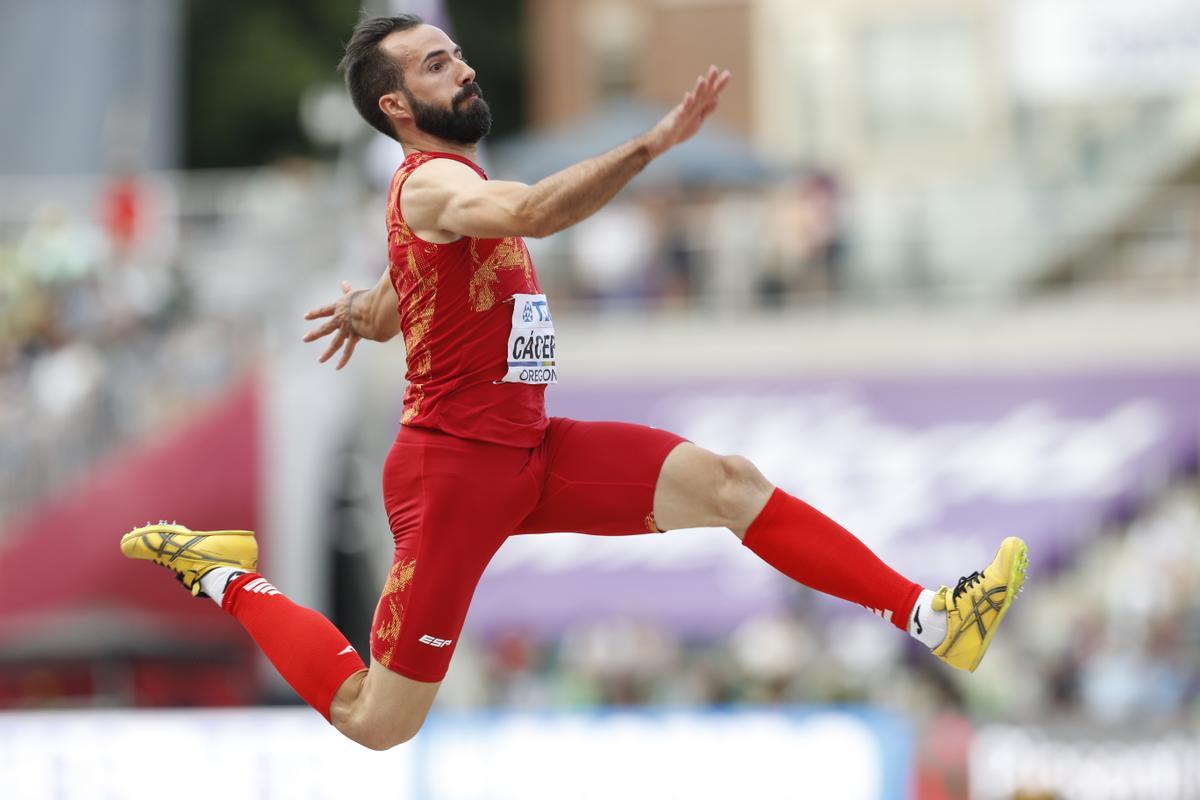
{"x": 531, "y": 341}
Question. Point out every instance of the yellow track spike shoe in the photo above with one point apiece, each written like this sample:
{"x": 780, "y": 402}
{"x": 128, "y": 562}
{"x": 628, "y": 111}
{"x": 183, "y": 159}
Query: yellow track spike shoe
{"x": 190, "y": 554}
{"x": 978, "y": 603}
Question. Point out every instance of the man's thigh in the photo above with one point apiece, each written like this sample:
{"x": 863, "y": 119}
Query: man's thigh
{"x": 451, "y": 504}
{"x": 599, "y": 478}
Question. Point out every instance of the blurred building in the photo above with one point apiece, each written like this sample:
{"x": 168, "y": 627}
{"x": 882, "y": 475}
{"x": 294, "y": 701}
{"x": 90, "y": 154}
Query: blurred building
{"x": 983, "y": 144}
{"x": 90, "y": 87}
{"x": 875, "y": 86}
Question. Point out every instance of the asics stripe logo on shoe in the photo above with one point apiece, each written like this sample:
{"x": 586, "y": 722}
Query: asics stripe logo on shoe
{"x": 170, "y": 548}
{"x": 976, "y": 618}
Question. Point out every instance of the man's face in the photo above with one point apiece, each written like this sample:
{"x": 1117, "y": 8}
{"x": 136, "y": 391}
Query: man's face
{"x": 440, "y": 86}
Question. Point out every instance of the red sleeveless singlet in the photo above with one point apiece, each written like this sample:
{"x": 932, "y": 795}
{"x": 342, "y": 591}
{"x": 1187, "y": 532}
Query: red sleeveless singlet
{"x": 456, "y": 305}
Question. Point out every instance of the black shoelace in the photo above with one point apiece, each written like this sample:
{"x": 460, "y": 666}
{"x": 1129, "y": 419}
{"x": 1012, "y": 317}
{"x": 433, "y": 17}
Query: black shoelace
{"x": 965, "y": 583}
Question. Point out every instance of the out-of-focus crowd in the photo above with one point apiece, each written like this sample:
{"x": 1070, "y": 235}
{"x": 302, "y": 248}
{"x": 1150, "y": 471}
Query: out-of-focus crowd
{"x": 102, "y": 338}
{"x": 1118, "y": 637}
{"x": 97, "y": 344}
{"x": 729, "y": 249}
{"x": 1112, "y": 640}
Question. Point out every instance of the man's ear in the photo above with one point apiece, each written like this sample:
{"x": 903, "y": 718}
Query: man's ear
{"x": 395, "y": 106}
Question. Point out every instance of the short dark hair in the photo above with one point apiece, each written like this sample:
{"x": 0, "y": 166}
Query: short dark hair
{"x": 370, "y": 72}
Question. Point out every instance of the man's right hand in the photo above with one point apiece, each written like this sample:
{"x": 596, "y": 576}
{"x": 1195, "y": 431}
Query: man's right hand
{"x": 684, "y": 120}
{"x": 339, "y": 314}
{"x": 358, "y": 314}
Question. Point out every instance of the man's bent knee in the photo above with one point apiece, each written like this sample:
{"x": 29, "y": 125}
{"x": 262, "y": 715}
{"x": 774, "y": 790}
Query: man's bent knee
{"x": 376, "y": 734}
{"x": 698, "y": 488}
{"x": 741, "y": 493}
{"x": 380, "y": 740}
{"x": 380, "y": 709}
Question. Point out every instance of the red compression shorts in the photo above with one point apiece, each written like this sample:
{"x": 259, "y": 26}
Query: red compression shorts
{"x": 452, "y": 502}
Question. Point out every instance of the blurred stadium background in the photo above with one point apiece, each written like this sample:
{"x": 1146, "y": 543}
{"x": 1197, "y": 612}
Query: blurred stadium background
{"x": 935, "y": 266}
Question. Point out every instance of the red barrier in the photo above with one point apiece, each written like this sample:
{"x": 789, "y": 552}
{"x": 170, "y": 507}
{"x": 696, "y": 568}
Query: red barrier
{"x": 65, "y": 588}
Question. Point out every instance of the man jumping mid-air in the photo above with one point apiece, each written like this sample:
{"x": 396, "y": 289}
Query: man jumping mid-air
{"x": 476, "y": 460}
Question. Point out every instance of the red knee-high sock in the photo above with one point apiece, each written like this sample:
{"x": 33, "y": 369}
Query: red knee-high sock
{"x": 309, "y": 652}
{"x": 812, "y": 549}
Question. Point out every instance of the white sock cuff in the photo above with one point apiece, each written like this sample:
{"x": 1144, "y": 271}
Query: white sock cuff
{"x": 214, "y": 581}
{"x": 924, "y": 624}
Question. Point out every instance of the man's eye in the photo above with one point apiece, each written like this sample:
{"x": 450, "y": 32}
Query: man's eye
{"x": 435, "y": 66}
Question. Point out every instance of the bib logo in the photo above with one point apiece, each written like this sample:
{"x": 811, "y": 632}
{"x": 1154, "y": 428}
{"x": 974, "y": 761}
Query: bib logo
{"x": 541, "y": 307}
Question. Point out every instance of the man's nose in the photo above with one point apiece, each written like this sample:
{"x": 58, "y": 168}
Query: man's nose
{"x": 468, "y": 75}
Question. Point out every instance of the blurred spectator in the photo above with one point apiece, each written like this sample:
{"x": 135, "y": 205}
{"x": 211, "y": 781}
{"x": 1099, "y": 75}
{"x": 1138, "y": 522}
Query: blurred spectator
{"x": 59, "y": 249}
{"x": 772, "y": 652}
{"x": 613, "y": 252}
{"x": 63, "y": 257}
{"x": 735, "y": 230}
{"x": 124, "y": 214}
{"x": 805, "y": 246}
{"x": 623, "y": 659}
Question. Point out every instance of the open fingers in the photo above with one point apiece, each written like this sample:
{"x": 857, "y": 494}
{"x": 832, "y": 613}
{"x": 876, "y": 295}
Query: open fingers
{"x": 322, "y": 331}
{"x": 349, "y": 351}
{"x": 707, "y": 102}
{"x": 323, "y": 311}
{"x": 333, "y": 346}
{"x": 714, "y": 82}
{"x": 698, "y": 103}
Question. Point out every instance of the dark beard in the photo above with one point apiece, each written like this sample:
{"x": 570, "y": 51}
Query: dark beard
{"x": 465, "y": 126}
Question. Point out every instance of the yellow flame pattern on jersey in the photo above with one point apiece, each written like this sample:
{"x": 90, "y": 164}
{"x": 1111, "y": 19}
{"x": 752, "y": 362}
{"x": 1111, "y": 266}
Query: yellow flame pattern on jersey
{"x": 510, "y": 253}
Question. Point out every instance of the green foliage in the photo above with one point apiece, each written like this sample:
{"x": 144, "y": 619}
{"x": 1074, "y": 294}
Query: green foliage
{"x": 492, "y": 34}
{"x": 248, "y": 63}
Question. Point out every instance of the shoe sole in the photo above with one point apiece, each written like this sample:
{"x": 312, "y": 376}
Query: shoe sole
{"x": 1016, "y": 580}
